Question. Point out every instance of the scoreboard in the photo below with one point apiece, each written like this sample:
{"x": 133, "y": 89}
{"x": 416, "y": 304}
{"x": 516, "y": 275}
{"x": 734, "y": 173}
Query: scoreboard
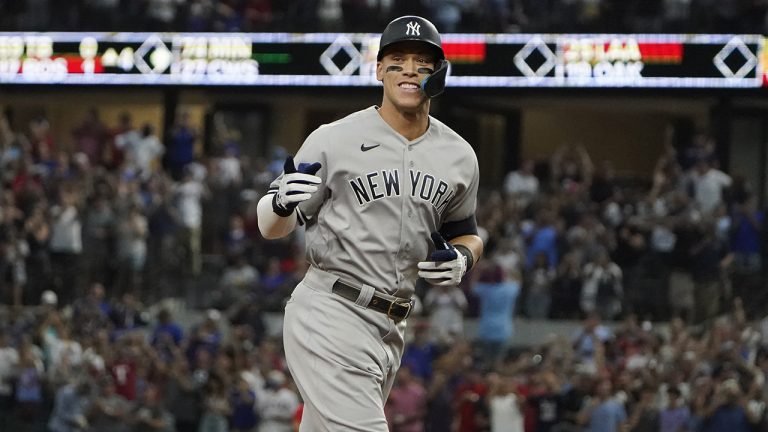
{"x": 344, "y": 59}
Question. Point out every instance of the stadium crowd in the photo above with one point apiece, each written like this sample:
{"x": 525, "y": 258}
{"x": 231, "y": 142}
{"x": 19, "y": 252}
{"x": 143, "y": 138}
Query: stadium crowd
{"x": 608, "y": 16}
{"x": 96, "y": 230}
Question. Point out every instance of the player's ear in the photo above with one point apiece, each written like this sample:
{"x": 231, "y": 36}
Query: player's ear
{"x": 379, "y": 71}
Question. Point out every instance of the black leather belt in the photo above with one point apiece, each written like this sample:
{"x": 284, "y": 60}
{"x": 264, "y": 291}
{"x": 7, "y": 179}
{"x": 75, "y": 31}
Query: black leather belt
{"x": 397, "y": 310}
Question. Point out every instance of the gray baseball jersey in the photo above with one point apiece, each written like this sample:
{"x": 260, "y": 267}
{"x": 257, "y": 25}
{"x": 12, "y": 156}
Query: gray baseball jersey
{"x": 382, "y": 196}
{"x": 370, "y": 222}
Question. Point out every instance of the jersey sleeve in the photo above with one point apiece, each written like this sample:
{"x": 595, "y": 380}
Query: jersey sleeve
{"x": 312, "y": 150}
{"x": 464, "y": 205}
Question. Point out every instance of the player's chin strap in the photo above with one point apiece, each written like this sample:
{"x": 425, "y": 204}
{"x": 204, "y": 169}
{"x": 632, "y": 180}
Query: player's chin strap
{"x": 434, "y": 84}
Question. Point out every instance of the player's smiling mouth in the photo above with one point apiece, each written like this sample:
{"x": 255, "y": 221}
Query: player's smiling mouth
{"x": 409, "y": 86}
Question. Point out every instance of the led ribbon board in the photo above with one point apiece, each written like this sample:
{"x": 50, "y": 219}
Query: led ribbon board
{"x": 336, "y": 59}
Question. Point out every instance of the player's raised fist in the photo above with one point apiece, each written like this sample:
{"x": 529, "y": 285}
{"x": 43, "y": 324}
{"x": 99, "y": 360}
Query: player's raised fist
{"x": 445, "y": 266}
{"x": 295, "y": 186}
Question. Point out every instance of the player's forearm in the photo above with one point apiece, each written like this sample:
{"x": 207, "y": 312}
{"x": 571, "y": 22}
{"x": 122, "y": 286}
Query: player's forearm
{"x": 471, "y": 242}
{"x": 271, "y": 225}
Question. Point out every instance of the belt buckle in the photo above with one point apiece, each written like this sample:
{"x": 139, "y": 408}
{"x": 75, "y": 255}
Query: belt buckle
{"x": 408, "y": 305}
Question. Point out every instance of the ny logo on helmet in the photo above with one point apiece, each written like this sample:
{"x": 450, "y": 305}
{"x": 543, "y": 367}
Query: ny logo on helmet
{"x": 412, "y": 29}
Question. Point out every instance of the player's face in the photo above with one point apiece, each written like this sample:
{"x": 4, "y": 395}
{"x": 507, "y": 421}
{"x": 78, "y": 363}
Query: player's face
{"x": 402, "y": 70}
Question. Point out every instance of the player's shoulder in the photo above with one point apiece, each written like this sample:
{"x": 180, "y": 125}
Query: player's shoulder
{"x": 447, "y": 135}
{"x": 351, "y": 127}
{"x": 350, "y": 123}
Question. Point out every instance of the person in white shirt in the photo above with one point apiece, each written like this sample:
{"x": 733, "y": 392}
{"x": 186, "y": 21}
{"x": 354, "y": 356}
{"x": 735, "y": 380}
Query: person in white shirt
{"x": 446, "y": 305}
{"x": 141, "y": 149}
{"x": 504, "y": 404}
{"x": 707, "y": 185}
{"x": 66, "y": 244}
{"x": 277, "y": 404}
{"x": 189, "y": 195}
{"x": 522, "y": 185}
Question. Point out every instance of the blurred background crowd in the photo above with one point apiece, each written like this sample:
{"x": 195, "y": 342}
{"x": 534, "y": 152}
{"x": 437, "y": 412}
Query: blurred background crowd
{"x": 97, "y": 231}
{"x": 620, "y": 16}
{"x": 137, "y": 293}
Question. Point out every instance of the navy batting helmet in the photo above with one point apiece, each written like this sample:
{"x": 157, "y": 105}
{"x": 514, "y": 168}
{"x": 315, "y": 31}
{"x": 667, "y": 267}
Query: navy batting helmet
{"x": 415, "y": 28}
{"x": 410, "y": 28}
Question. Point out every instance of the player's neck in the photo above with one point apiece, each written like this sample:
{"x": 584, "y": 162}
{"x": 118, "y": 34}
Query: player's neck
{"x": 410, "y": 125}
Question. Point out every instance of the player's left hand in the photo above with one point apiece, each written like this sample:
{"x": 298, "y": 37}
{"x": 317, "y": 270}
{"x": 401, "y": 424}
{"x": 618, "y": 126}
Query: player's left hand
{"x": 446, "y": 265}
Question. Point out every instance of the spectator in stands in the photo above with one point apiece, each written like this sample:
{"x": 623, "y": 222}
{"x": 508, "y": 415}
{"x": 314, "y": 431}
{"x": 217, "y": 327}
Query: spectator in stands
{"x": 571, "y": 169}
{"x": 190, "y": 193}
{"x": 65, "y": 356}
{"x": 243, "y": 402}
{"x": 271, "y": 284}
{"x": 277, "y": 403}
{"x": 167, "y": 333}
{"x": 645, "y": 415}
{"x": 566, "y": 289}
{"x": 237, "y": 241}
{"x": 420, "y": 353}
{"x": 542, "y": 238}
{"x": 91, "y": 136}
{"x": 505, "y": 404}
{"x": 71, "y": 407}
{"x": 602, "y": 291}
{"x": 66, "y": 244}
{"x": 440, "y": 412}
{"x": 216, "y": 406}
{"x": 522, "y": 185}
{"x": 709, "y": 260}
{"x": 746, "y": 237}
{"x": 29, "y": 382}
{"x": 406, "y": 406}
{"x": 538, "y": 288}
{"x": 497, "y": 289}
{"x": 603, "y": 413}
{"x": 472, "y": 390}
{"x": 707, "y": 184}
{"x": 446, "y": 306}
{"x": 143, "y": 152}
{"x": 676, "y": 415}
{"x": 132, "y": 232}
{"x": 149, "y": 414}
{"x": 725, "y": 411}
{"x": 128, "y": 313}
{"x": 99, "y": 225}
{"x": 181, "y": 151}
{"x": 548, "y": 403}
{"x": 239, "y": 279}
{"x": 109, "y": 411}
{"x": 589, "y": 341}
{"x": 182, "y": 394}
{"x": 91, "y": 313}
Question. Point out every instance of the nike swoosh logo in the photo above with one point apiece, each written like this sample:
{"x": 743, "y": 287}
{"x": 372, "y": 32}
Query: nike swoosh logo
{"x": 364, "y": 148}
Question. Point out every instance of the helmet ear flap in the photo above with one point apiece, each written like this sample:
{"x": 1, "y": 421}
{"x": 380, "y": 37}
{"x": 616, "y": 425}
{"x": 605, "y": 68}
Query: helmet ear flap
{"x": 434, "y": 84}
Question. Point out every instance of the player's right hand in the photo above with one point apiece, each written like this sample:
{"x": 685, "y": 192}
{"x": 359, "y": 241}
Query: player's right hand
{"x": 295, "y": 186}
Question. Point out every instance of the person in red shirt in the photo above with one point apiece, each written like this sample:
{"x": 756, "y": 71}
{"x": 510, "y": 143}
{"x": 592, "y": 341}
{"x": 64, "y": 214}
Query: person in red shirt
{"x": 406, "y": 407}
{"x": 469, "y": 400}
{"x": 123, "y": 371}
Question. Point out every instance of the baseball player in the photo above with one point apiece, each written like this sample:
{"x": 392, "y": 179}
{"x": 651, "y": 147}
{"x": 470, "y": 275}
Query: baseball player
{"x": 387, "y": 195}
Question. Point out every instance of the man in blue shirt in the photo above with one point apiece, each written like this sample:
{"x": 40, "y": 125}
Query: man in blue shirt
{"x": 70, "y": 408}
{"x": 497, "y": 293}
{"x": 603, "y": 413}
